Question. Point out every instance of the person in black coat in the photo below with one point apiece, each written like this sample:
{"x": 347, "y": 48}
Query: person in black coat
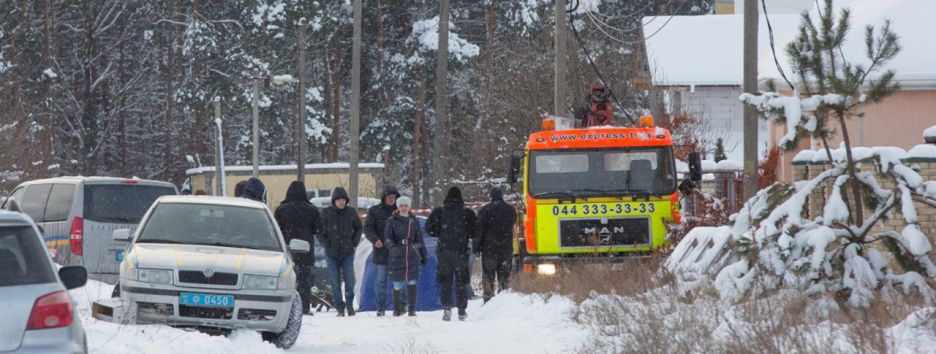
{"x": 340, "y": 235}
{"x": 455, "y": 226}
{"x": 407, "y": 253}
{"x": 299, "y": 219}
{"x": 495, "y": 242}
{"x": 374, "y": 225}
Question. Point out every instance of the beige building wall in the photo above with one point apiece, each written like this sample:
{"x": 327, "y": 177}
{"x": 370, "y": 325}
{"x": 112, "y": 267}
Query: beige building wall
{"x": 898, "y": 121}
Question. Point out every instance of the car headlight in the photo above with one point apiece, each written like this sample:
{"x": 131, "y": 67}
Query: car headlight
{"x": 156, "y": 276}
{"x": 546, "y": 269}
{"x": 261, "y": 282}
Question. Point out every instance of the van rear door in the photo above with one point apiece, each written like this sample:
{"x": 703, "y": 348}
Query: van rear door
{"x": 109, "y": 207}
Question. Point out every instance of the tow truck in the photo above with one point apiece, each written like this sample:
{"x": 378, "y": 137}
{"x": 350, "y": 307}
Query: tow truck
{"x": 595, "y": 193}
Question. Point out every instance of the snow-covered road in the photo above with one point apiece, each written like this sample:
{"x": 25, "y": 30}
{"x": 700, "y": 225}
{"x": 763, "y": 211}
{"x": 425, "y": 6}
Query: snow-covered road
{"x": 511, "y": 323}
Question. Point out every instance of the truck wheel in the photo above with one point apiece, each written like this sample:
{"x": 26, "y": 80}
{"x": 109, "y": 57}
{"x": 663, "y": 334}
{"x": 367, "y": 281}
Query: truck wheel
{"x": 286, "y": 338}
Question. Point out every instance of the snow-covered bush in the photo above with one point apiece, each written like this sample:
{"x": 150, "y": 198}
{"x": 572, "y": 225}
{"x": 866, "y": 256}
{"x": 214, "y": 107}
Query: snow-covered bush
{"x": 772, "y": 242}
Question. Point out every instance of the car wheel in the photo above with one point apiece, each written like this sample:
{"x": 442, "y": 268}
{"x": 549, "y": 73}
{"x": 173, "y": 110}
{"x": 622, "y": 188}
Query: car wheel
{"x": 286, "y": 338}
{"x": 116, "y": 292}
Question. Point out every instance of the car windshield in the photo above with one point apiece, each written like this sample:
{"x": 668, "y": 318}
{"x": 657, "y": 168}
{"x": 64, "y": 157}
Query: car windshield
{"x": 120, "y": 203}
{"x": 22, "y": 260}
{"x": 596, "y": 172}
{"x": 208, "y": 224}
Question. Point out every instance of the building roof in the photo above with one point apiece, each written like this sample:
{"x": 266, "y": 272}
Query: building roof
{"x": 312, "y": 166}
{"x": 703, "y": 50}
{"x": 707, "y": 50}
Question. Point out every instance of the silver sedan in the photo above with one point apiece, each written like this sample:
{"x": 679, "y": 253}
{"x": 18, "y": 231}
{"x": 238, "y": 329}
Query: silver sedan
{"x": 38, "y": 313}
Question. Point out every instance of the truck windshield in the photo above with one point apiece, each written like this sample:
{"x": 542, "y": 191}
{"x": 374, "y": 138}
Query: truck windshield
{"x": 602, "y": 172}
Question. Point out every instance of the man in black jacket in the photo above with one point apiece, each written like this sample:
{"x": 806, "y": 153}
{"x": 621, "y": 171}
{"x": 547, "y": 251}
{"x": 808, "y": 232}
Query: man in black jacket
{"x": 299, "y": 219}
{"x": 340, "y": 235}
{"x": 454, "y": 225}
{"x": 374, "y": 225}
{"x": 495, "y": 242}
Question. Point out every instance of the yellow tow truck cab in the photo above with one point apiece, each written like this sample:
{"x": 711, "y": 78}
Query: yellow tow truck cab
{"x": 594, "y": 194}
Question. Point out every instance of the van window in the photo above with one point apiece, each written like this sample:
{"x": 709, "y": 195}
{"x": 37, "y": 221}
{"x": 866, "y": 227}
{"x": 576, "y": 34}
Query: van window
{"x": 34, "y": 201}
{"x": 120, "y": 203}
{"x": 60, "y": 202}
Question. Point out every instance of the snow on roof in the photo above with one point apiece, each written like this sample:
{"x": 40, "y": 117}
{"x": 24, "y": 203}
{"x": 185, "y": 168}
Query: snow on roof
{"x": 703, "y": 50}
{"x": 922, "y": 151}
{"x": 911, "y": 20}
{"x": 728, "y": 165}
{"x": 313, "y": 166}
{"x": 708, "y": 165}
{"x": 706, "y": 50}
{"x": 804, "y": 156}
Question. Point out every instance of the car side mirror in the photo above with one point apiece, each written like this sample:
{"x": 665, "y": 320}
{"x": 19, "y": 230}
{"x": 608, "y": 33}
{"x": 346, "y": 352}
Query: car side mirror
{"x": 73, "y": 277}
{"x": 695, "y": 167}
{"x": 513, "y": 169}
{"x": 122, "y": 235}
{"x": 299, "y": 246}
{"x": 11, "y": 205}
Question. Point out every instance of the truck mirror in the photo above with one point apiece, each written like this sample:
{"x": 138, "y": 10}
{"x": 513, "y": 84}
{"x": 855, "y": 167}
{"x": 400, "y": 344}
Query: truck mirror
{"x": 695, "y": 167}
{"x": 513, "y": 169}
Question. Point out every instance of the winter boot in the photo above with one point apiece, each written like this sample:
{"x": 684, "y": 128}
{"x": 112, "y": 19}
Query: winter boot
{"x": 447, "y": 314}
{"x": 380, "y": 313}
{"x": 397, "y": 303}
{"x": 462, "y": 314}
{"x": 340, "y": 312}
{"x": 351, "y": 311}
{"x": 411, "y": 299}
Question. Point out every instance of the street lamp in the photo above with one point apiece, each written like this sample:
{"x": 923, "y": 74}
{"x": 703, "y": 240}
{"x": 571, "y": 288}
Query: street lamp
{"x": 276, "y": 80}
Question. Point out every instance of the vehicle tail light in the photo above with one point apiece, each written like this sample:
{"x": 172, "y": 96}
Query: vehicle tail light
{"x": 51, "y": 311}
{"x": 76, "y": 236}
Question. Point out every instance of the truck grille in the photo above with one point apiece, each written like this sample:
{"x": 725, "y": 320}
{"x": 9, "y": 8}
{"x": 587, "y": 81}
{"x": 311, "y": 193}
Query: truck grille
{"x": 197, "y": 277}
{"x": 609, "y": 232}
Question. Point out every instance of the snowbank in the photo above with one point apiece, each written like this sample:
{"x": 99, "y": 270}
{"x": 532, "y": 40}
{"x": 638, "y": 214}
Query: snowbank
{"x": 930, "y": 133}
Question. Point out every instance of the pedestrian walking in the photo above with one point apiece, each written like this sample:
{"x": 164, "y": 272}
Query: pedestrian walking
{"x": 495, "y": 242}
{"x": 299, "y": 219}
{"x": 340, "y": 234}
{"x": 403, "y": 239}
{"x": 374, "y": 226}
{"x": 455, "y": 226}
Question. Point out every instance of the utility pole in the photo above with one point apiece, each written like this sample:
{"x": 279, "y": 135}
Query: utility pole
{"x": 219, "y": 150}
{"x": 441, "y": 127}
{"x": 355, "y": 104}
{"x": 300, "y": 116}
{"x": 750, "y": 86}
{"x": 559, "y": 77}
{"x": 255, "y": 106}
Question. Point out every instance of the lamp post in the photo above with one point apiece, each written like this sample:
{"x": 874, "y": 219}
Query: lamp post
{"x": 255, "y": 77}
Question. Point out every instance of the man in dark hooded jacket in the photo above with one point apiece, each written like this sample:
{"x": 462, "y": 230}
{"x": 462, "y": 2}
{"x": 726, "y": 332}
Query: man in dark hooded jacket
{"x": 455, "y": 226}
{"x": 340, "y": 235}
{"x": 374, "y": 225}
{"x": 495, "y": 242}
{"x": 255, "y": 190}
{"x": 299, "y": 219}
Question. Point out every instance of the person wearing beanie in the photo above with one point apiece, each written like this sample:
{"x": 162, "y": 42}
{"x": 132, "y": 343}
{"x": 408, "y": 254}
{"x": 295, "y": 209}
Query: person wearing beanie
{"x": 495, "y": 242}
{"x": 455, "y": 226}
{"x": 374, "y": 225}
{"x": 340, "y": 235}
{"x": 403, "y": 239}
{"x": 254, "y": 190}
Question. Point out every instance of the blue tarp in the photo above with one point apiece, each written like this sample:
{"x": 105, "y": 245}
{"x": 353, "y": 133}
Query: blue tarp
{"x": 428, "y": 297}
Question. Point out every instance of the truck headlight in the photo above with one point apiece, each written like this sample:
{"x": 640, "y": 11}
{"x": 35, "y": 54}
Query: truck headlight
{"x": 156, "y": 276}
{"x": 261, "y": 282}
{"x": 546, "y": 269}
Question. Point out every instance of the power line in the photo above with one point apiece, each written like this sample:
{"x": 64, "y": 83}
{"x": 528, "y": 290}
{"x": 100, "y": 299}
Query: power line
{"x": 773, "y": 50}
{"x": 595, "y": 67}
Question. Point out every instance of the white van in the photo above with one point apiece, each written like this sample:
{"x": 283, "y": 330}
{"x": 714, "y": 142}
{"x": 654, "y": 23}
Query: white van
{"x": 78, "y": 216}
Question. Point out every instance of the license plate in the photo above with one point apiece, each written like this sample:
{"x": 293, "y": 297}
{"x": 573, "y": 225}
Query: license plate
{"x": 212, "y": 300}
{"x": 119, "y": 256}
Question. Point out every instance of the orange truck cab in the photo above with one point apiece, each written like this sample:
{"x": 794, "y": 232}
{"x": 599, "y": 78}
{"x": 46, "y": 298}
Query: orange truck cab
{"x": 593, "y": 194}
